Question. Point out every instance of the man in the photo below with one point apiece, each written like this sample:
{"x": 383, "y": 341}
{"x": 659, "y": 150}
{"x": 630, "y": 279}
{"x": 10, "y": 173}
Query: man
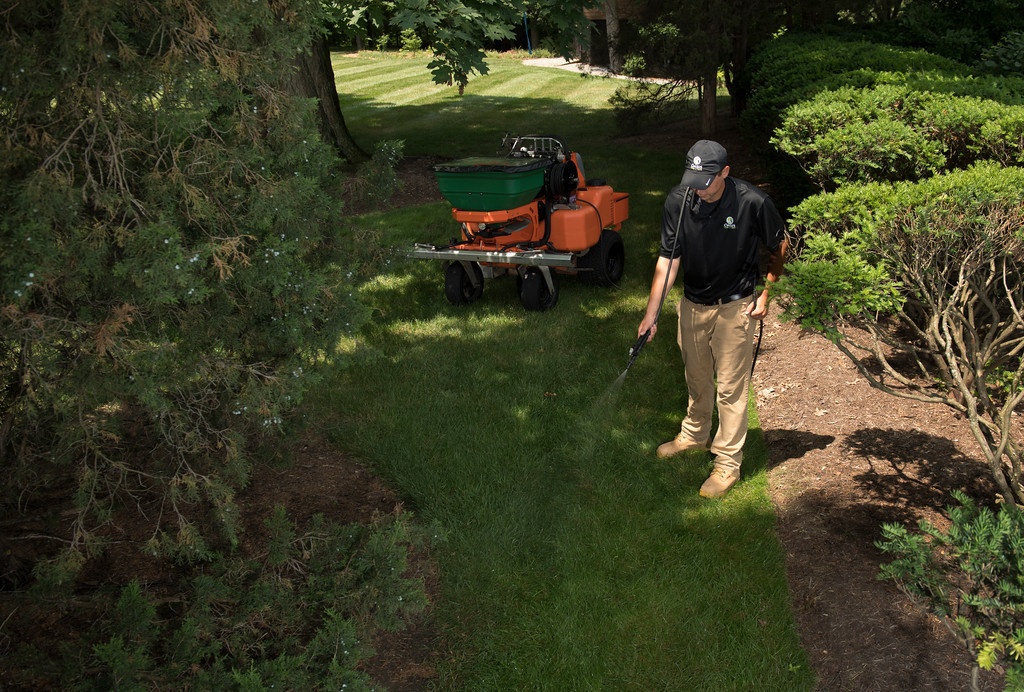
{"x": 716, "y": 228}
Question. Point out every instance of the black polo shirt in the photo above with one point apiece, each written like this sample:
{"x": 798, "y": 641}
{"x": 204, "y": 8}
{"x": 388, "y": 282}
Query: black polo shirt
{"x": 720, "y": 243}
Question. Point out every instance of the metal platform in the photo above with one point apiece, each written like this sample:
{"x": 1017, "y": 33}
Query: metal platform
{"x": 530, "y": 258}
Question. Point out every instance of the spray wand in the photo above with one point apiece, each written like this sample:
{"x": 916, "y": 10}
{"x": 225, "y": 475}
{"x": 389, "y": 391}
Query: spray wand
{"x": 635, "y": 349}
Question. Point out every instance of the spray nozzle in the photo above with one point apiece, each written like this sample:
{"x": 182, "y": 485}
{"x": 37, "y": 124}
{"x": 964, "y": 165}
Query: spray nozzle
{"x": 635, "y": 349}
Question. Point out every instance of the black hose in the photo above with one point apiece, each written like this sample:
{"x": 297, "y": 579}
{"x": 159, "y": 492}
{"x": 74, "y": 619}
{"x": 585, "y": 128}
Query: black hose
{"x": 757, "y": 346}
{"x": 635, "y": 349}
{"x": 687, "y": 201}
{"x": 593, "y": 206}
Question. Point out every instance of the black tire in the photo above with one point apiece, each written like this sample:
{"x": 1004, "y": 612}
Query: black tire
{"x": 604, "y": 263}
{"x": 459, "y": 287}
{"x": 534, "y": 291}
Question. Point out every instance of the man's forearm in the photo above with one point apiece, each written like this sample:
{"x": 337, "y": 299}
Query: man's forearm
{"x": 776, "y": 264}
{"x": 664, "y": 276}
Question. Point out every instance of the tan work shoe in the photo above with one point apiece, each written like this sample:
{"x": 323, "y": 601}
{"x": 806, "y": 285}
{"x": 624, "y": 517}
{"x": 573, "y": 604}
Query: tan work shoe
{"x": 678, "y": 445}
{"x": 718, "y": 483}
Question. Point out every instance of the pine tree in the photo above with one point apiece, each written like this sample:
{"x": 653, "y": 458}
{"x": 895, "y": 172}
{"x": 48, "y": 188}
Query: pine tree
{"x": 164, "y": 209}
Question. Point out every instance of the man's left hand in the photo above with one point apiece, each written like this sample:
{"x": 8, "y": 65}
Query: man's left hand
{"x": 758, "y": 309}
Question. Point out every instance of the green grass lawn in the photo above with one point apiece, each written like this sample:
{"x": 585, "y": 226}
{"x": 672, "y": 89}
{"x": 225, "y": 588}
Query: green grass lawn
{"x": 570, "y": 557}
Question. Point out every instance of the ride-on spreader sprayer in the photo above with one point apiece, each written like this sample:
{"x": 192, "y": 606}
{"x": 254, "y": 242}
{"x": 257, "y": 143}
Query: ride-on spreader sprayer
{"x": 530, "y": 212}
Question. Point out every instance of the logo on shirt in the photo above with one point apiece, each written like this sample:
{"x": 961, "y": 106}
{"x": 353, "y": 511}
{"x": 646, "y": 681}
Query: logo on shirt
{"x": 730, "y": 223}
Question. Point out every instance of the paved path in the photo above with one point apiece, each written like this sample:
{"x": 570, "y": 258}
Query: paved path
{"x": 572, "y": 66}
{"x": 582, "y": 68}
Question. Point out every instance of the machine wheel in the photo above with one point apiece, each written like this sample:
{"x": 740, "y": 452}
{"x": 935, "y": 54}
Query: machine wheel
{"x": 604, "y": 263}
{"x": 534, "y": 291}
{"x": 459, "y": 287}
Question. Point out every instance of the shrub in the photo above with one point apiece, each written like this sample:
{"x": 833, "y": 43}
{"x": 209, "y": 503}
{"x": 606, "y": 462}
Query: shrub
{"x": 956, "y": 123}
{"x": 894, "y": 132}
{"x": 162, "y": 283}
{"x": 1007, "y": 56}
{"x": 971, "y": 576}
{"x": 411, "y": 41}
{"x": 920, "y": 285}
{"x": 795, "y": 67}
{"x": 376, "y": 180}
{"x": 959, "y": 29}
{"x": 298, "y": 614}
{"x": 1003, "y": 138}
{"x": 879, "y": 150}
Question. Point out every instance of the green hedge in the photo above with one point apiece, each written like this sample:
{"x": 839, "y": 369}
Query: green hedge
{"x": 895, "y": 132}
{"x": 795, "y": 67}
{"x": 852, "y": 111}
{"x": 841, "y": 271}
{"x": 858, "y": 211}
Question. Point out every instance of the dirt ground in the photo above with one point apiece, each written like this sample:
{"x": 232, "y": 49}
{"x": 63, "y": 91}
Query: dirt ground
{"x": 844, "y": 458}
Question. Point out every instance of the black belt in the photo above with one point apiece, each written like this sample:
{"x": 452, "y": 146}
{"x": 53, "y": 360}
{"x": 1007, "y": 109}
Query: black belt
{"x": 720, "y": 301}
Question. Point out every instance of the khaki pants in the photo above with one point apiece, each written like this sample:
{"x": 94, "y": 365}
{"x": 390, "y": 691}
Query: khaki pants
{"x": 717, "y": 343}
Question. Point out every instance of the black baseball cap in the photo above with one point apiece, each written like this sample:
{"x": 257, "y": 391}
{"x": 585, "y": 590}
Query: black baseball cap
{"x": 704, "y": 161}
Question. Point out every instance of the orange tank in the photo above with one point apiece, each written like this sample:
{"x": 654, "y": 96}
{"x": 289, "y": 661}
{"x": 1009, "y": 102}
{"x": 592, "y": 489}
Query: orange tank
{"x": 574, "y": 230}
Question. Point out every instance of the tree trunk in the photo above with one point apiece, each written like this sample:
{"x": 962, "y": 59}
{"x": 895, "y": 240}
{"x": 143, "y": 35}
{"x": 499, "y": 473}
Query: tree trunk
{"x": 315, "y": 79}
{"x": 709, "y": 102}
{"x": 735, "y": 81}
{"x": 611, "y": 22}
{"x": 711, "y": 60}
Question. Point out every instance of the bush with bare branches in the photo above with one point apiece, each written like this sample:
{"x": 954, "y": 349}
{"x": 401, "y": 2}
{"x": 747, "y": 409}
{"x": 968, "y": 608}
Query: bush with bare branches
{"x": 921, "y": 285}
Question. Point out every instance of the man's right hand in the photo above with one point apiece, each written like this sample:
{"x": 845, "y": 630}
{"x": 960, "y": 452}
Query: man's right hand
{"x": 648, "y": 323}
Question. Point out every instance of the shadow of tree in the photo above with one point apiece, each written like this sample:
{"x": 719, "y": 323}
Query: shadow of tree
{"x": 913, "y": 468}
{"x": 908, "y": 475}
{"x": 863, "y": 625}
